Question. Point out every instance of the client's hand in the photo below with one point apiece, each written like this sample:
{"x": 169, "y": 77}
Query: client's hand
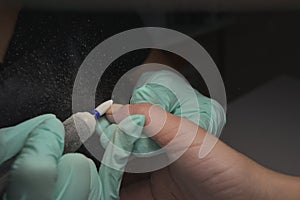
{"x": 222, "y": 174}
{"x": 208, "y": 169}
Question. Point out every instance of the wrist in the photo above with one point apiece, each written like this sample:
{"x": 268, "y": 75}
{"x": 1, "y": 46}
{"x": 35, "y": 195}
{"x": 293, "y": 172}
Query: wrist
{"x": 277, "y": 186}
{"x": 284, "y": 187}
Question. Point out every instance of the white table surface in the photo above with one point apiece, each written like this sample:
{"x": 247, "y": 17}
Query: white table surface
{"x": 265, "y": 125}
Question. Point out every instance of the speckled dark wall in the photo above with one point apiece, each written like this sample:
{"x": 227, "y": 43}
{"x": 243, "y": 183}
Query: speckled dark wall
{"x": 44, "y": 55}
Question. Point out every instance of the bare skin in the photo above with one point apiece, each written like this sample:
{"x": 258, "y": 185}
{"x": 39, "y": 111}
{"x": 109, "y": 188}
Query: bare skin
{"x": 223, "y": 174}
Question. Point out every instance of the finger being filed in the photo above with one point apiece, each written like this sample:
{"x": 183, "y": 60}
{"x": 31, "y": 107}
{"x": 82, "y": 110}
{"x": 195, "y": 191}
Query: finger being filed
{"x": 160, "y": 125}
{"x": 114, "y": 108}
{"x": 117, "y": 113}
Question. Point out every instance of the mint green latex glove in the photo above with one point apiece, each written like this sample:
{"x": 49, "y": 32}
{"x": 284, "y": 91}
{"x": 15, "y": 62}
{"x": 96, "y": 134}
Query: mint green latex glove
{"x": 78, "y": 178}
{"x": 118, "y": 141}
{"x": 172, "y": 93}
{"x": 41, "y": 172}
{"x": 39, "y": 144}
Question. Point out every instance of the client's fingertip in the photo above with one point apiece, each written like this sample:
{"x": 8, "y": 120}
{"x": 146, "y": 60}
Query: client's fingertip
{"x": 114, "y": 108}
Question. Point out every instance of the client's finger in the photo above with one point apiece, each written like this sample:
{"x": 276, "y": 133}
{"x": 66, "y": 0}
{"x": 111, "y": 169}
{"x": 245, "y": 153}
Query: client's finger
{"x": 161, "y": 126}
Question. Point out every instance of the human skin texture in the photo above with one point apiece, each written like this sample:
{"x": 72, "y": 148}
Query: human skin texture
{"x": 222, "y": 174}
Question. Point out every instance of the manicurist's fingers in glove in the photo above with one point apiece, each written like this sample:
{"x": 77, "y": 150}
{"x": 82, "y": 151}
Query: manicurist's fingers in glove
{"x": 40, "y": 171}
{"x": 38, "y": 144}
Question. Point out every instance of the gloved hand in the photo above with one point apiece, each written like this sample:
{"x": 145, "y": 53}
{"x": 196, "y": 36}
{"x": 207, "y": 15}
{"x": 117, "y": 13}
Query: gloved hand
{"x": 78, "y": 178}
{"x": 118, "y": 141}
{"x": 41, "y": 172}
{"x": 38, "y": 144}
{"x": 173, "y": 94}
